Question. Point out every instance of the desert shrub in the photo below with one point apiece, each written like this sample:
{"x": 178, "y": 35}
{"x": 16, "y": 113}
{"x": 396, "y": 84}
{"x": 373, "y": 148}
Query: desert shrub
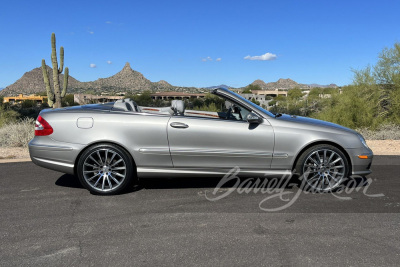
{"x": 17, "y": 133}
{"x": 7, "y": 115}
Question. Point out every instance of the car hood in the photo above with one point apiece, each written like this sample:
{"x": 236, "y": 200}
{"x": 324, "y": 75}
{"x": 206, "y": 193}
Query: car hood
{"x": 314, "y": 122}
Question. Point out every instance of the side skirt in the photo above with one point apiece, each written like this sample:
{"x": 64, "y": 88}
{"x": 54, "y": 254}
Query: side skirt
{"x": 146, "y": 172}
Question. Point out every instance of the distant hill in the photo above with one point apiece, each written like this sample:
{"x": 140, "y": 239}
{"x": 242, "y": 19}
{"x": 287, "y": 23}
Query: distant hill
{"x": 285, "y": 84}
{"x": 127, "y": 80}
{"x": 32, "y": 82}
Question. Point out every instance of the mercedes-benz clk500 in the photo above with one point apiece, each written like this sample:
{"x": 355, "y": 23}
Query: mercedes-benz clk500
{"x": 109, "y": 146}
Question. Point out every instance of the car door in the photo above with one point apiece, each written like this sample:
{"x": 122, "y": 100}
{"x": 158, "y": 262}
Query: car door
{"x": 217, "y": 143}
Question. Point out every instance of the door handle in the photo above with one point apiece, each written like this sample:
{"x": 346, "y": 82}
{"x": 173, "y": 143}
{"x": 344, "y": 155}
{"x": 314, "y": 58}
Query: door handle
{"x": 179, "y": 125}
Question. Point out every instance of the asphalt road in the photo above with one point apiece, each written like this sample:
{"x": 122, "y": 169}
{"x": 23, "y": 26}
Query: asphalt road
{"x": 47, "y": 218}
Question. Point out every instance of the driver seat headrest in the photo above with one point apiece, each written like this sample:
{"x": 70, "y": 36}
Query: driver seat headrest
{"x": 178, "y": 106}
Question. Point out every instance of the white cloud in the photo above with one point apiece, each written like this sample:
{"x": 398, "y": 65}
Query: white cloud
{"x": 109, "y": 62}
{"x": 206, "y": 59}
{"x": 108, "y": 22}
{"x": 218, "y": 59}
{"x": 91, "y": 32}
{"x": 266, "y": 56}
{"x": 92, "y": 65}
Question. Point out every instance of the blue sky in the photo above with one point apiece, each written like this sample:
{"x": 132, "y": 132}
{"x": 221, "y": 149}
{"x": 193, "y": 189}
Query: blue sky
{"x": 180, "y": 41}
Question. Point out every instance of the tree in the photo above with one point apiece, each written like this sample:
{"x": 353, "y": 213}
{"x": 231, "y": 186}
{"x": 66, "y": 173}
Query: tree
{"x": 295, "y": 94}
{"x": 255, "y": 101}
{"x": 250, "y": 88}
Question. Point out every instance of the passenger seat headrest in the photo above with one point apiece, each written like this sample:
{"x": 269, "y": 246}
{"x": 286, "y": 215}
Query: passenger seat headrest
{"x": 126, "y": 104}
{"x": 178, "y": 106}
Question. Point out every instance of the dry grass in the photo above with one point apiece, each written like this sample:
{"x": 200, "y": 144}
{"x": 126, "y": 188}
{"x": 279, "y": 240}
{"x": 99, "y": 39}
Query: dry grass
{"x": 385, "y": 132}
{"x": 17, "y": 134}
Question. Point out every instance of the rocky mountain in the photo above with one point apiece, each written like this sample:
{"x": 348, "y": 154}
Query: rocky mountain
{"x": 127, "y": 80}
{"x": 32, "y": 82}
{"x": 163, "y": 86}
{"x": 260, "y": 83}
{"x": 285, "y": 84}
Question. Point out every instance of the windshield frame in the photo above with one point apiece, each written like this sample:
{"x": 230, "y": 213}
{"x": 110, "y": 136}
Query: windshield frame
{"x": 238, "y": 98}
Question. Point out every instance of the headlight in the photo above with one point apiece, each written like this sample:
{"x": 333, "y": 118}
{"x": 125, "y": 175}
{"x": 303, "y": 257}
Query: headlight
{"x": 363, "y": 140}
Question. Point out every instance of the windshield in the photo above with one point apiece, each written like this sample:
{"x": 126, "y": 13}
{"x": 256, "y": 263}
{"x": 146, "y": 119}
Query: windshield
{"x": 255, "y": 106}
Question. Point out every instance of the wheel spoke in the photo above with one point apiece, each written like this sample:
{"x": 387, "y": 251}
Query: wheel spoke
{"x": 115, "y": 163}
{"x": 120, "y": 175}
{"x": 319, "y": 158}
{"x": 98, "y": 180}
{"x": 101, "y": 161}
{"x": 104, "y": 181}
{"x": 112, "y": 157}
{"x": 109, "y": 183}
{"x": 90, "y": 165}
{"x": 94, "y": 176}
{"x": 95, "y": 161}
{"x": 105, "y": 157}
{"x": 313, "y": 160}
{"x": 336, "y": 160}
{"x": 115, "y": 180}
{"x": 118, "y": 168}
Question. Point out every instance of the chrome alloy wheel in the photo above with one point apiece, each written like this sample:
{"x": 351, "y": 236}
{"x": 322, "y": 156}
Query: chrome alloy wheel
{"x": 104, "y": 170}
{"x": 324, "y": 169}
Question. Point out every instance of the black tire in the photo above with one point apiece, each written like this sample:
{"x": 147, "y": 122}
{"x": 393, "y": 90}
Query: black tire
{"x": 106, "y": 169}
{"x": 322, "y": 168}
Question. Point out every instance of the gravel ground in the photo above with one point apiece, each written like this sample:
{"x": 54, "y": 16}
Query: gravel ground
{"x": 380, "y": 147}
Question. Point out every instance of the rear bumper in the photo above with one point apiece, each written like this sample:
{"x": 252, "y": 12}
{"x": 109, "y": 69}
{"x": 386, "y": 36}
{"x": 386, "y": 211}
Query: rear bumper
{"x": 360, "y": 166}
{"x": 50, "y": 154}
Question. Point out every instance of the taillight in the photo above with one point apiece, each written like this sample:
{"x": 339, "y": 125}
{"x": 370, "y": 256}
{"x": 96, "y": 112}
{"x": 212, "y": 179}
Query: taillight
{"x": 42, "y": 127}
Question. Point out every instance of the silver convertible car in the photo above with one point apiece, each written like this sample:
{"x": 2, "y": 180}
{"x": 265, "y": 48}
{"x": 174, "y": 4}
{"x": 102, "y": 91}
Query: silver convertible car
{"x": 109, "y": 146}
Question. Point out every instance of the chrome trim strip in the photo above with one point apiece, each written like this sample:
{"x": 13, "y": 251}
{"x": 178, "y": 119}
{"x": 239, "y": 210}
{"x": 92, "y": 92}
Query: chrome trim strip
{"x": 218, "y": 153}
{"x": 280, "y": 155}
{"x": 155, "y": 150}
{"x": 175, "y": 171}
{"x": 54, "y": 162}
{"x": 52, "y": 148}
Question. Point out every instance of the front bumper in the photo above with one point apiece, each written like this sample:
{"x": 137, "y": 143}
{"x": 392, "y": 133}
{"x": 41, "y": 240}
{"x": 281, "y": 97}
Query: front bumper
{"x": 50, "y": 154}
{"x": 361, "y": 166}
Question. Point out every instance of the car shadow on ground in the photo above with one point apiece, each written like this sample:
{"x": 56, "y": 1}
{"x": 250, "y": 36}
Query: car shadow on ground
{"x": 72, "y": 181}
{"x": 68, "y": 180}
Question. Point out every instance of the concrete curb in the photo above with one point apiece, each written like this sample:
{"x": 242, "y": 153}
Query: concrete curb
{"x": 14, "y": 160}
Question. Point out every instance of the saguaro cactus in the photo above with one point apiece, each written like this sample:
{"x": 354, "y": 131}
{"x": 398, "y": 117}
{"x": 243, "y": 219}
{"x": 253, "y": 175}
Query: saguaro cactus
{"x": 54, "y": 97}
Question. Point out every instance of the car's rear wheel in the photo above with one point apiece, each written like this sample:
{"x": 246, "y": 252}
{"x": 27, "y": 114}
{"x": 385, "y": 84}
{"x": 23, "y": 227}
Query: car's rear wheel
{"x": 323, "y": 168}
{"x": 105, "y": 169}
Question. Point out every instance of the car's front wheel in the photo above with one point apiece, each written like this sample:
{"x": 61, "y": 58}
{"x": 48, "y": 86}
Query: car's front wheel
{"x": 322, "y": 168}
{"x": 105, "y": 169}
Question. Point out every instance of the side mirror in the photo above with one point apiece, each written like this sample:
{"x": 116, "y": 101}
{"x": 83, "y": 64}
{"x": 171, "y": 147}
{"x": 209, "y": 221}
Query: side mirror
{"x": 253, "y": 118}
